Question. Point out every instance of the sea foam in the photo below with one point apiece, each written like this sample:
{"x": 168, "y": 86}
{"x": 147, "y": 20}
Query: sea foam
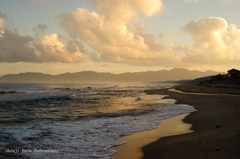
{"x": 89, "y": 137}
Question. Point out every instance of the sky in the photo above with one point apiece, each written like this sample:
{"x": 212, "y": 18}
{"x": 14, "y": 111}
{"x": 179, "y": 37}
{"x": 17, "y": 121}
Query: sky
{"x": 58, "y": 36}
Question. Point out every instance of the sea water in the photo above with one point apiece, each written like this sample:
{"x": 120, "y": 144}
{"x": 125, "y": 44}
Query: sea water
{"x": 77, "y": 121}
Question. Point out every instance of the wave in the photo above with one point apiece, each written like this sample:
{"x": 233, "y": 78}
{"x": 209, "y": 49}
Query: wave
{"x": 9, "y": 92}
{"x": 88, "y": 137}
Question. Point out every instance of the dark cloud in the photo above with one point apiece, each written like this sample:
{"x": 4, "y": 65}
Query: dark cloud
{"x": 16, "y": 48}
{"x": 40, "y": 29}
{"x": 74, "y": 46}
{"x": 2, "y": 15}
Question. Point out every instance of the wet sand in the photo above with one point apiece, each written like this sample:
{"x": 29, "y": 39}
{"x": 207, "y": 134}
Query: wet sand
{"x": 135, "y": 142}
{"x": 215, "y": 126}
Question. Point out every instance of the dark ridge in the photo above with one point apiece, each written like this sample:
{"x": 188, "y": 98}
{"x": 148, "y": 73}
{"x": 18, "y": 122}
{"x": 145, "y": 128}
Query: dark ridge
{"x": 96, "y": 77}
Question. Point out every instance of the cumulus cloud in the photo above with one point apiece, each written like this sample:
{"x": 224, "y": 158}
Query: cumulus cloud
{"x": 126, "y": 10}
{"x": 215, "y": 42}
{"x": 1, "y": 27}
{"x": 115, "y": 40}
{"x": 108, "y": 32}
{"x": 15, "y": 48}
{"x": 206, "y": 28}
{"x": 1, "y": 23}
{"x": 111, "y": 35}
{"x": 2, "y": 16}
{"x": 40, "y": 29}
{"x": 49, "y": 48}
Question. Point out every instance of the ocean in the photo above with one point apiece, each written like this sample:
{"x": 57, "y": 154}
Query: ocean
{"x": 77, "y": 120}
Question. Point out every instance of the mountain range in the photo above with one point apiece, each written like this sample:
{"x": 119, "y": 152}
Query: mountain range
{"x": 96, "y": 77}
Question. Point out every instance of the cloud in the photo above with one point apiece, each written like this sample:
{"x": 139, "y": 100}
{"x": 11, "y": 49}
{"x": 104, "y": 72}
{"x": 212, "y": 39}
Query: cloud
{"x": 126, "y": 10}
{"x": 119, "y": 41}
{"x": 206, "y": 28}
{"x": 112, "y": 35}
{"x": 2, "y": 23}
{"x": 1, "y": 27}
{"x": 2, "y": 15}
{"x": 15, "y": 48}
{"x": 40, "y": 29}
{"x": 49, "y": 48}
{"x": 215, "y": 42}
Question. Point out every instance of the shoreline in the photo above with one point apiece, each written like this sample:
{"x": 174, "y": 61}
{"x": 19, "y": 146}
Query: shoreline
{"x": 215, "y": 127}
{"x": 135, "y": 142}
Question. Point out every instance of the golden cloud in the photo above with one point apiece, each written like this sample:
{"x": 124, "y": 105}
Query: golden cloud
{"x": 1, "y": 23}
{"x": 216, "y": 42}
{"x": 126, "y": 10}
{"x": 111, "y": 36}
{"x": 108, "y": 32}
{"x": 49, "y": 48}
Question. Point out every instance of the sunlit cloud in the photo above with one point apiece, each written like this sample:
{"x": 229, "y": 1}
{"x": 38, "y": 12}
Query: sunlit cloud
{"x": 49, "y": 48}
{"x": 124, "y": 11}
{"x": 215, "y": 42}
{"x": 114, "y": 40}
{"x": 2, "y": 23}
{"x": 110, "y": 33}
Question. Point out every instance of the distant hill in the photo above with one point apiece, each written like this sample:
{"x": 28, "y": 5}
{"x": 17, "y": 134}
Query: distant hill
{"x": 95, "y": 77}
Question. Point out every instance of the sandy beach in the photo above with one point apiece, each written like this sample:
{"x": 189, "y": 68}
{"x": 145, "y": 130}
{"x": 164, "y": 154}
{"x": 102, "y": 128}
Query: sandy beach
{"x": 215, "y": 131}
{"x": 135, "y": 142}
